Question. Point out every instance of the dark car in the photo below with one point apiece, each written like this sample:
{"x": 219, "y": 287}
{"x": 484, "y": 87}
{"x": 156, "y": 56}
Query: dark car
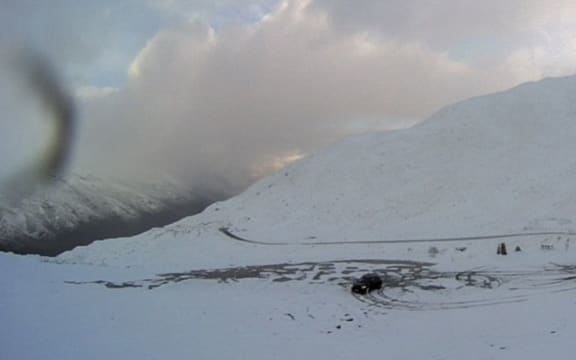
{"x": 367, "y": 283}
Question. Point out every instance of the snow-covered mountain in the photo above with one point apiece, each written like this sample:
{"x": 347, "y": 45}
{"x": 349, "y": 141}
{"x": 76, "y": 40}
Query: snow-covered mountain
{"x": 500, "y": 164}
{"x": 81, "y": 209}
{"x": 269, "y": 272}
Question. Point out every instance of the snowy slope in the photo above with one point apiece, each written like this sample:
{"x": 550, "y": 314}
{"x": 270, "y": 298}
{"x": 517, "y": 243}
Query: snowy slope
{"x": 47, "y": 313}
{"x": 497, "y": 164}
{"x": 266, "y": 275}
{"x": 493, "y": 165}
{"x": 85, "y": 208}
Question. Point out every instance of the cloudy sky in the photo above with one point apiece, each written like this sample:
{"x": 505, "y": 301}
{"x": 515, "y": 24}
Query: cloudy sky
{"x": 229, "y": 90}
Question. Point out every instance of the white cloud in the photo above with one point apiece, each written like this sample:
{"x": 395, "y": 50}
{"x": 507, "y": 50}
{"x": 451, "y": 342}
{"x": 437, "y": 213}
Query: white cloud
{"x": 86, "y": 93}
{"x": 219, "y": 104}
{"x": 442, "y": 24}
{"x": 216, "y": 11}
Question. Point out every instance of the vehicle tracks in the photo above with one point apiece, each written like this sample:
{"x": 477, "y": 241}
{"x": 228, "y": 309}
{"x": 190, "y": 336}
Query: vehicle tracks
{"x": 407, "y": 285}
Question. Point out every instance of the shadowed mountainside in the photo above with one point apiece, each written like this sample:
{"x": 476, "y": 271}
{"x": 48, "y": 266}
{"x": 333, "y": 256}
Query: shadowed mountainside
{"x": 84, "y": 209}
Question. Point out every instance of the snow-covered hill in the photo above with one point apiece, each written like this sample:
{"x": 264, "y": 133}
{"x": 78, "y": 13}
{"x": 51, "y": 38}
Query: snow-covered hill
{"x": 501, "y": 164}
{"x": 268, "y": 273}
{"x": 81, "y": 209}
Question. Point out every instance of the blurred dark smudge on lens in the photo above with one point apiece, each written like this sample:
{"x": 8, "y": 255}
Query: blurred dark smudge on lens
{"x": 43, "y": 85}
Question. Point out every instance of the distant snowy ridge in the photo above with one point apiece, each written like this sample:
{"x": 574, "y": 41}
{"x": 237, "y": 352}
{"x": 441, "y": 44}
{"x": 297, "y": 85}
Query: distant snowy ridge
{"x": 83, "y": 208}
{"x": 497, "y": 164}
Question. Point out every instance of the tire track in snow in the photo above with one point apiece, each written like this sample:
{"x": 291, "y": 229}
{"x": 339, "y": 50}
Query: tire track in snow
{"x": 466, "y": 289}
{"x": 226, "y": 231}
{"x": 407, "y": 285}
